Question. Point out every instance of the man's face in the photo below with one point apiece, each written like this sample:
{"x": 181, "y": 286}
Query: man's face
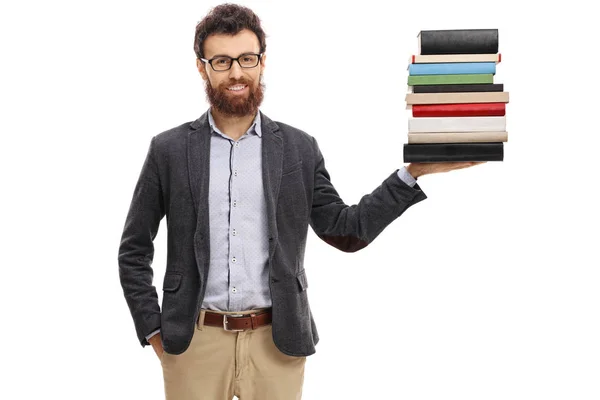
{"x": 219, "y": 84}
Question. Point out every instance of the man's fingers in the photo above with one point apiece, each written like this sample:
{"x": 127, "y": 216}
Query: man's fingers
{"x": 466, "y": 164}
{"x": 450, "y": 166}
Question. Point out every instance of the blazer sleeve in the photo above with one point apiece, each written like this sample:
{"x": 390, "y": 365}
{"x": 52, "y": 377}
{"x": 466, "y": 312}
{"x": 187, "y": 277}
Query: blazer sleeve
{"x": 136, "y": 250}
{"x": 352, "y": 227}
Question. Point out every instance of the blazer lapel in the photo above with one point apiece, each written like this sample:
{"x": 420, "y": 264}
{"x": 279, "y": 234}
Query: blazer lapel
{"x": 198, "y": 156}
{"x": 272, "y": 161}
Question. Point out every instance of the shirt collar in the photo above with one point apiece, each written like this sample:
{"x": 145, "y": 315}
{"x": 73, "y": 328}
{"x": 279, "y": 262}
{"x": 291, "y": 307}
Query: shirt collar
{"x": 255, "y": 127}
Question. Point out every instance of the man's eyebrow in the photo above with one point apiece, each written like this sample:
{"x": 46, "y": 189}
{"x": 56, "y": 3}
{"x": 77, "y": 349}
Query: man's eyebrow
{"x": 241, "y": 54}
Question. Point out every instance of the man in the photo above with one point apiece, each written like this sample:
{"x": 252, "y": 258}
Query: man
{"x": 239, "y": 191}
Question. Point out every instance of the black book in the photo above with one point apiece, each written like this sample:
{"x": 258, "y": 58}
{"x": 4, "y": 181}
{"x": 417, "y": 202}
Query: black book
{"x": 475, "y": 87}
{"x": 458, "y": 41}
{"x": 453, "y": 152}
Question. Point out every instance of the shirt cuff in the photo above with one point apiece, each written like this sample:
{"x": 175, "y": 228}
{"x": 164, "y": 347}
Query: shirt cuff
{"x": 406, "y": 177}
{"x": 152, "y": 334}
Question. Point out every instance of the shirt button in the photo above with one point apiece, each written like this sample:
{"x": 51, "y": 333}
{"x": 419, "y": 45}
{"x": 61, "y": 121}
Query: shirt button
{"x": 234, "y": 232}
{"x": 235, "y": 173}
{"x": 237, "y": 144}
{"x": 233, "y": 259}
{"x": 234, "y": 290}
{"x": 235, "y": 203}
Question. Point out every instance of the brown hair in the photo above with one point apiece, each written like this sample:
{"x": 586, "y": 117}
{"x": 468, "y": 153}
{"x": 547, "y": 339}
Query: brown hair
{"x": 230, "y": 19}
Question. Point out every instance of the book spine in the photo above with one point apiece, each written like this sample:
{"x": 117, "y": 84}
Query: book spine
{"x": 457, "y": 137}
{"x": 446, "y": 58}
{"x": 449, "y": 79}
{"x": 453, "y": 152}
{"x": 457, "y": 124}
{"x": 452, "y": 68}
{"x": 454, "y": 98}
{"x": 457, "y": 88}
{"x": 459, "y": 41}
{"x": 459, "y": 110}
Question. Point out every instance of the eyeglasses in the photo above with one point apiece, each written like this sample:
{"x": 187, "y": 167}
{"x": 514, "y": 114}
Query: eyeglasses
{"x": 224, "y": 63}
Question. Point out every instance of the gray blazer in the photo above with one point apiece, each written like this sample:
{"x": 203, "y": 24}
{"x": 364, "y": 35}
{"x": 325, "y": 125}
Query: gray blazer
{"x": 298, "y": 192}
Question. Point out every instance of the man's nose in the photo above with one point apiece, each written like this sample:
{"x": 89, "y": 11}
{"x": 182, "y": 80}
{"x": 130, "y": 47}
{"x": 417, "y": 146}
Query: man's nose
{"x": 235, "y": 72}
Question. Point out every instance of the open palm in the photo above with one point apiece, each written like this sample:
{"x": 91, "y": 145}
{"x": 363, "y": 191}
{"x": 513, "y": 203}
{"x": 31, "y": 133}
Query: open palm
{"x": 418, "y": 169}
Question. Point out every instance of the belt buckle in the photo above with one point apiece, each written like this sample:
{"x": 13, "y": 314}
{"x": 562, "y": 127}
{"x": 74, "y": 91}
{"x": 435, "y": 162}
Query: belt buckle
{"x": 225, "y": 322}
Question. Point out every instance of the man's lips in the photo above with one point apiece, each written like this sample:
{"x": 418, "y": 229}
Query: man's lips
{"x": 239, "y": 88}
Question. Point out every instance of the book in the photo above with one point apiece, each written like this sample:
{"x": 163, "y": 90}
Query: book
{"x": 459, "y": 110}
{"x": 452, "y": 68}
{"x": 449, "y": 79}
{"x": 449, "y": 98}
{"x": 458, "y": 41}
{"x": 450, "y": 58}
{"x": 457, "y": 124}
{"x": 456, "y": 98}
{"x": 453, "y": 152}
{"x": 457, "y": 137}
{"x": 474, "y": 87}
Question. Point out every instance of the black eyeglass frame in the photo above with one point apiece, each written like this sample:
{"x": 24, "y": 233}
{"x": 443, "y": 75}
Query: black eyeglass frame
{"x": 232, "y": 60}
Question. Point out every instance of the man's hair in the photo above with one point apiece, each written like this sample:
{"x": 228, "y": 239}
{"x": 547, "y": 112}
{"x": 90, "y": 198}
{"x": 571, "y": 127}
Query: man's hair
{"x": 228, "y": 19}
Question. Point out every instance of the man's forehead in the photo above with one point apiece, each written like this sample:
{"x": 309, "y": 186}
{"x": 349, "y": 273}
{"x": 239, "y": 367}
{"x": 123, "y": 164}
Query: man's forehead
{"x": 231, "y": 45}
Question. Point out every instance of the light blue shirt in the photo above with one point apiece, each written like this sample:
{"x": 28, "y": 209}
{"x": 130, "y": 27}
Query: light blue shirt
{"x": 238, "y": 276}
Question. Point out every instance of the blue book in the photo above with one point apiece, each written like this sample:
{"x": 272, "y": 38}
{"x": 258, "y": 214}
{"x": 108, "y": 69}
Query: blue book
{"x": 452, "y": 68}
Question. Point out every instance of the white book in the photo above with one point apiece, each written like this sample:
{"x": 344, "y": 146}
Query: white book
{"x": 457, "y": 124}
{"x": 448, "y": 58}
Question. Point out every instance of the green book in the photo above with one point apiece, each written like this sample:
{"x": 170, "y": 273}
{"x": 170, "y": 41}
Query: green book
{"x": 449, "y": 79}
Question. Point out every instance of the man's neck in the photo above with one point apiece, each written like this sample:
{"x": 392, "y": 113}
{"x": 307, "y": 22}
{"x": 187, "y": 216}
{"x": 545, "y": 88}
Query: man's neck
{"x": 234, "y": 127}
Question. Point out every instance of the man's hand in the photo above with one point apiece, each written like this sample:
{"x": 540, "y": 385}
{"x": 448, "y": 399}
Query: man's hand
{"x": 156, "y": 343}
{"x": 420, "y": 169}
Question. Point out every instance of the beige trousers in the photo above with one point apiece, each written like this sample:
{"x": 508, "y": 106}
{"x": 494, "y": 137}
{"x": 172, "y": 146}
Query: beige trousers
{"x": 220, "y": 364}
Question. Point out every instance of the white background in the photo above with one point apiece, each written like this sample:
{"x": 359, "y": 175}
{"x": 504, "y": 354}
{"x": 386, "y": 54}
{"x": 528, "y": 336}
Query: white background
{"x": 489, "y": 289}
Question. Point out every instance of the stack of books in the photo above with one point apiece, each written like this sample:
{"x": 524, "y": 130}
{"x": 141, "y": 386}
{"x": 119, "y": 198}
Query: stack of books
{"x": 458, "y": 111}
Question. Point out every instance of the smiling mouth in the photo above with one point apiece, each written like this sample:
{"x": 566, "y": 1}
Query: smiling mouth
{"x": 237, "y": 88}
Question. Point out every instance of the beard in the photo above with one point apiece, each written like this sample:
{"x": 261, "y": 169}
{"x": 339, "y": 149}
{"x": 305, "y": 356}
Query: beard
{"x": 237, "y": 106}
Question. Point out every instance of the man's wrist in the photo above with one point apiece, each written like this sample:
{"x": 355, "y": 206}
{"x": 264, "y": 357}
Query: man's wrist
{"x": 155, "y": 339}
{"x": 414, "y": 171}
{"x": 152, "y": 334}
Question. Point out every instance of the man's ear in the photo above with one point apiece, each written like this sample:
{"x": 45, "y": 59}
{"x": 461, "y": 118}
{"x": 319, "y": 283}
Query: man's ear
{"x": 201, "y": 68}
{"x": 263, "y": 59}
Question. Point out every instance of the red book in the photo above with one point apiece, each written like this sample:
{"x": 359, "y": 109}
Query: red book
{"x": 459, "y": 110}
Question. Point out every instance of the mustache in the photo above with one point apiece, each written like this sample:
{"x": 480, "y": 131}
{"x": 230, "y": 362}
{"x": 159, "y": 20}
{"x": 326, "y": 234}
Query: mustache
{"x": 233, "y": 83}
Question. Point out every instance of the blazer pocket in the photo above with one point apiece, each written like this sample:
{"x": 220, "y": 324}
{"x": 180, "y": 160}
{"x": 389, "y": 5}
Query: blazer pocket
{"x": 171, "y": 282}
{"x": 302, "y": 281}
{"x": 292, "y": 168}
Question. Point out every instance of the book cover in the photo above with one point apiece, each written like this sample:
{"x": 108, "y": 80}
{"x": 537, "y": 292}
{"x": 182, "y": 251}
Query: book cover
{"x": 459, "y": 110}
{"x": 457, "y": 124}
{"x": 458, "y": 41}
{"x": 452, "y": 68}
{"x": 475, "y": 87}
{"x": 457, "y": 137}
{"x": 449, "y": 79}
{"x": 450, "y": 98}
{"x": 453, "y": 152}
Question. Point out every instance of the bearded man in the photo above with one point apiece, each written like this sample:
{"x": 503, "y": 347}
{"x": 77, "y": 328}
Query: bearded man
{"x": 239, "y": 191}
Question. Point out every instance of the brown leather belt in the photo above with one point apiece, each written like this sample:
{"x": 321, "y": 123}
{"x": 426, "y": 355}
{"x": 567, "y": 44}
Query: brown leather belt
{"x": 233, "y": 322}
